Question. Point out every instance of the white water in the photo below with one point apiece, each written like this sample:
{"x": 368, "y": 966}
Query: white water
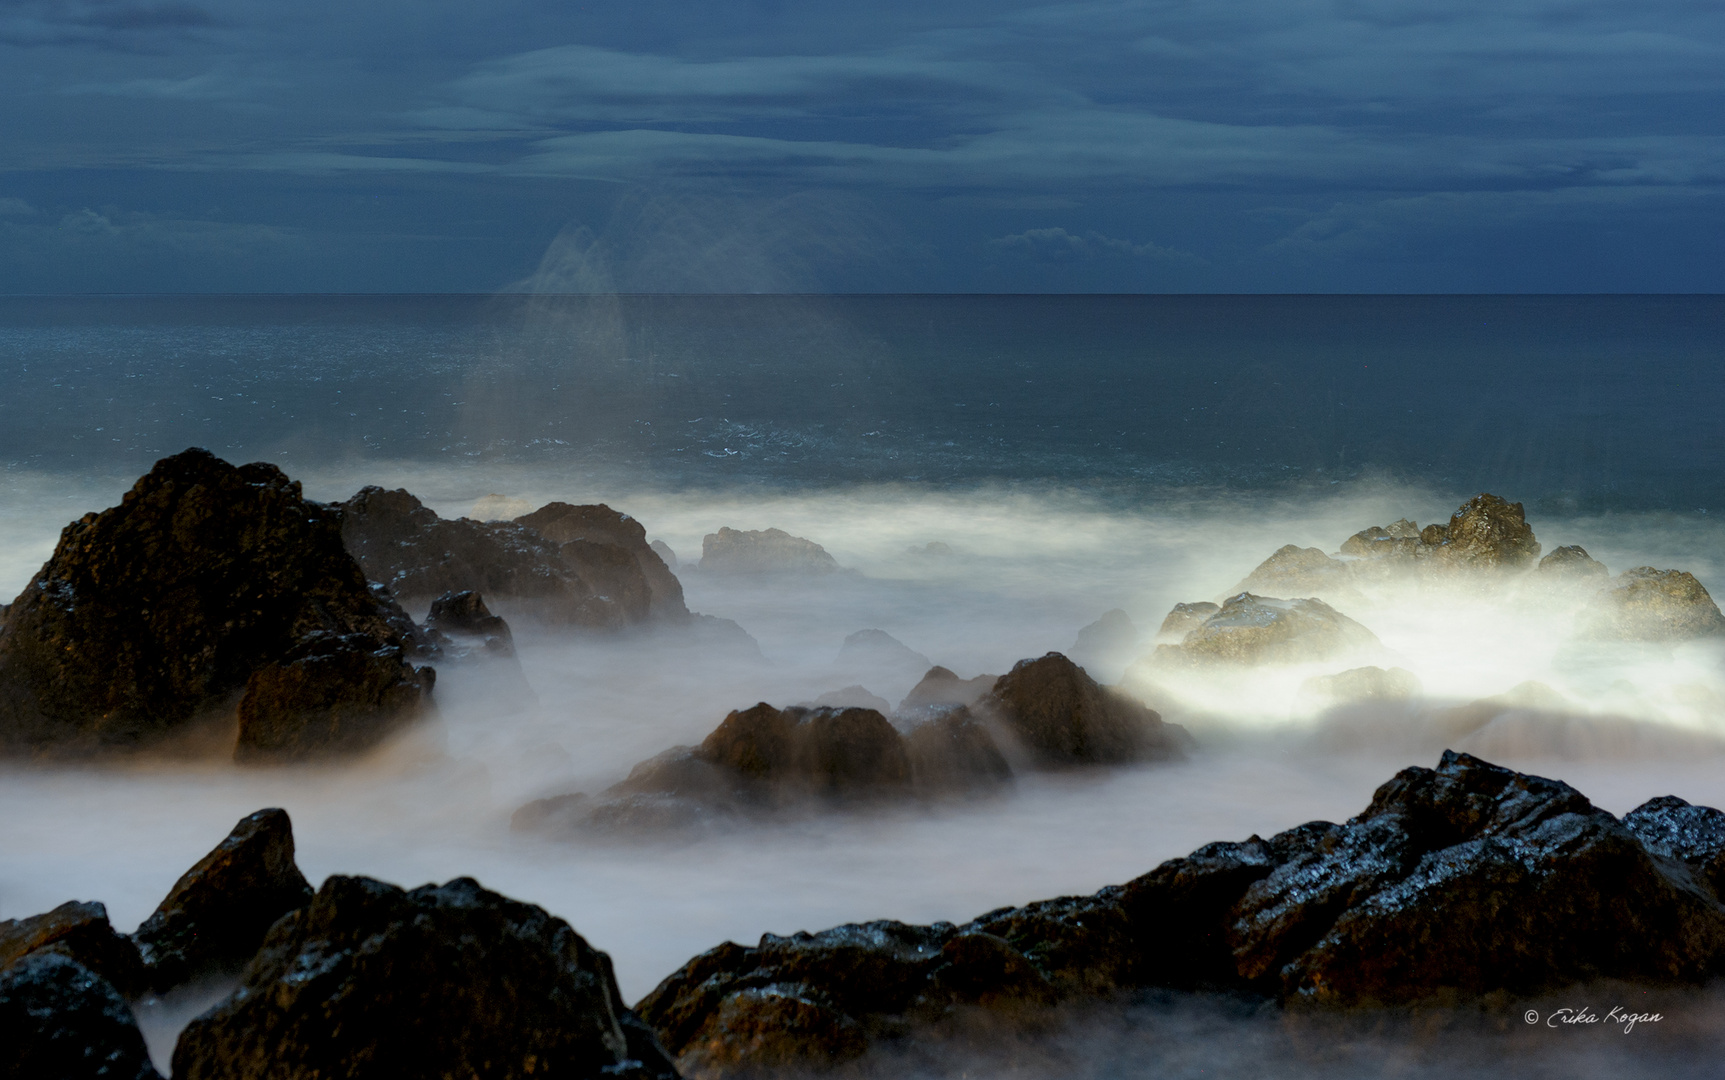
{"x": 1028, "y": 569}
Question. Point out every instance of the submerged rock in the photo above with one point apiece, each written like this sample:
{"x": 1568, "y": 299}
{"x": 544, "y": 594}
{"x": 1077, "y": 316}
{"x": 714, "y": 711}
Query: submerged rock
{"x": 1063, "y": 717}
{"x": 1645, "y": 604}
{"x": 763, "y": 551}
{"x": 61, "y": 1021}
{"x": 209, "y": 586}
{"x": 79, "y": 931}
{"x": 215, "y": 917}
{"x": 1252, "y": 629}
{"x": 451, "y": 980}
{"x": 1454, "y": 883}
{"x": 1361, "y": 684}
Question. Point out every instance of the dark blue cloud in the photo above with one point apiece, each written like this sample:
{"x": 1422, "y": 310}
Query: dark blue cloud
{"x": 1229, "y": 144}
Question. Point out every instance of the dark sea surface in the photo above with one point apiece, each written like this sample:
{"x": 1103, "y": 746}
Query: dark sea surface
{"x": 1571, "y": 403}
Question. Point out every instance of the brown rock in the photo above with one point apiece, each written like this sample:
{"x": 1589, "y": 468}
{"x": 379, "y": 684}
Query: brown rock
{"x": 79, "y": 931}
{"x": 1489, "y": 533}
{"x": 1252, "y": 629}
{"x": 1063, "y": 717}
{"x": 600, "y": 525}
{"x": 1291, "y": 571}
{"x": 1645, "y": 604}
{"x": 951, "y": 751}
{"x": 1572, "y": 562}
{"x": 764, "y": 551}
{"x": 942, "y": 687}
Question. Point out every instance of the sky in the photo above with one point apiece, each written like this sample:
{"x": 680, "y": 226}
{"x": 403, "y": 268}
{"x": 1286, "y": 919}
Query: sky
{"x": 874, "y": 145}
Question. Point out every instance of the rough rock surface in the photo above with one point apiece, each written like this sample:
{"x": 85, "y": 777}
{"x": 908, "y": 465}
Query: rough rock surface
{"x": 951, "y": 751}
{"x": 1182, "y": 619}
{"x": 216, "y": 915}
{"x": 61, "y": 1021}
{"x": 463, "y": 616}
{"x": 598, "y": 524}
{"x": 1573, "y": 562}
{"x": 1063, "y": 717}
{"x": 208, "y": 584}
{"x": 1645, "y": 604}
{"x": 442, "y": 981}
{"x": 1400, "y": 539}
{"x": 763, "y": 551}
{"x": 941, "y": 686}
{"x": 1291, "y": 571}
{"x": 79, "y": 931}
{"x": 1252, "y": 629}
{"x": 1456, "y": 882}
{"x": 1489, "y": 533}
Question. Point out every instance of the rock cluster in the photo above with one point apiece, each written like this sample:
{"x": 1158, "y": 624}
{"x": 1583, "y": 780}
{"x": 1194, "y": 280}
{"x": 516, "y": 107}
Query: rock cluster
{"x": 1456, "y": 882}
{"x": 763, "y": 551}
{"x": 761, "y": 759}
{"x": 210, "y": 591}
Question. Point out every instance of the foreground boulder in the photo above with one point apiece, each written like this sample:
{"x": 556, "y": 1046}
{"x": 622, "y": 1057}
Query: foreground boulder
{"x": 1063, "y": 717}
{"x": 1645, "y": 604}
{"x": 443, "y": 981}
{"x": 216, "y": 915}
{"x": 1456, "y": 882}
{"x": 77, "y": 930}
{"x": 211, "y": 588}
{"x": 61, "y": 1021}
{"x": 763, "y": 551}
{"x": 1252, "y": 629}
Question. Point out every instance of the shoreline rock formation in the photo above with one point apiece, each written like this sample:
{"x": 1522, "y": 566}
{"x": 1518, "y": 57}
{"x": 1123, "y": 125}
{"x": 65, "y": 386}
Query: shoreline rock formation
{"x": 211, "y": 592}
{"x": 1251, "y": 629}
{"x": 763, "y": 551}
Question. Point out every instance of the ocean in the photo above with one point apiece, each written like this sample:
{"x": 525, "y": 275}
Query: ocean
{"x": 1074, "y": 455}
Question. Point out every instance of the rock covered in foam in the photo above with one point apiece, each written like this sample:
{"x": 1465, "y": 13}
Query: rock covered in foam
{"x": 1645, "y": 604}
{"x": 208, "y": 583}
{"x": 451, "y": 980}
{"x": 1252, "y": 629}
{"x": 61, "y": 1021}
{"x": 763, "y": 551}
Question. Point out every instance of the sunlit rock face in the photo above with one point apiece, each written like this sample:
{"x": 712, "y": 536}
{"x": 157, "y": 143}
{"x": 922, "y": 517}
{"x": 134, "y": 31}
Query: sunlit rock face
{"x": 1252, "y": 629}
{"x": 1455, "y": 883}
{"x": 450, "y": 980}
{"x": 209, "y": 587}
{"x": 763, "y": 551}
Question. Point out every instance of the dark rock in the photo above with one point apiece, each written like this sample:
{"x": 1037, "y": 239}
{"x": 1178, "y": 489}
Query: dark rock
{"x": 595, "y": 529}
{"x": 1645, "y": 604}
{"x": 1252, "y": 629}
{"x": 1489, "y": 533}
{"x": 942, "y": 687}
{"x": 1573, "y": 562}
{"x": 216, "y": 915}
{"x": 442, "y": 981}
{"x": 766, "y": 551}
{"x": 1673, "y": 829}
{"x": 830, "y": 752}
{"x": 1291, "y": 571}
{"x": 61, "y": 1021}
{"x": 155, "y": 617}
{"x": 464, "y": 615}
{"x": 1063, "y": 717}
{"x": 80, "y": 931}
{"x": 951, "y": 751}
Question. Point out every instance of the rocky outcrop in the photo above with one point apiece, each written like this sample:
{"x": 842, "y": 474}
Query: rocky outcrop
{"x": 940, "y": 686}
{"x": 216, "y": 915}
{"x": 78, "y": 930}
{"x": 1185, "y": 618}
{"x": 1645, "y": 604}
{"x": 1489, "y": 533}
{"x": 209, "y": 587}
{"x": 1400, "y": 539}
{"x": 61, "y": 1021}
{"x": 1573, "y": 563}
{"x": 1455, "y": 883}
{"x": 1252, "y": 629}
{"x": 951, "y": 751}
{"x": 1291, "y": 571}
{"x": 450, "y": 980}
{"x": 598, "y": 531}
{"x": 463, "y": 619}
{"x": 663, "y": 550}
{"x": 763, "y": 551}
{"x": 1063, "y": 717}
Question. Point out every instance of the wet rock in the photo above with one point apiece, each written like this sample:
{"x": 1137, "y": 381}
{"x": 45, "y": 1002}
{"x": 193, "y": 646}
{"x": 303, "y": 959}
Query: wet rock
{"x": 1489, "y": 533}
{"x": 215, "y": 917}
{"x": 1063, "y": 717}
{"x": 450, "y": 980}
{"x": 463, "y": 615}
{"x": 1109, "y": 643}
{"x": 1673, "y": 829}
{"x": 79, "y": 931}
{"x": 1572, "y": 562}
{"x": 1434, "y": 534}
{"x": 764, "y": 551}
{"x": 951, "y": 751}
{"x": 1645, "y": 604}
{"x": 199, "y": 591}
{"x": 1251, "y": 629}
{"x": 1291, "y": 571}
{"x": 1185, "y": 618}
{"x": 600, "y": 533}
{"x": 61, "y": 1021}
{"x": 941, "y": 686}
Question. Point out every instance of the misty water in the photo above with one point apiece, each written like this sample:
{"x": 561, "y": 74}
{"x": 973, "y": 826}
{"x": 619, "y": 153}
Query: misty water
{"x": 1074, "y": 454}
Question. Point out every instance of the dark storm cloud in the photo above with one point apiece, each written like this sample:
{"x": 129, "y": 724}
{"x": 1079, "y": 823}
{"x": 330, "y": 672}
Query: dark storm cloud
{"x": 1243, "y": 135}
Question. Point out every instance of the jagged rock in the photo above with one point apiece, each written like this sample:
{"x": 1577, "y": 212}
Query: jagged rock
{"x": 765, "y": 551}
{"x": 1434, "y": 534}
{"x": 600, "y": 525}
{"x": 951, "y": 751}
{"x": 61, "y": 1021}
{"x": 663, "y": 550}
{"x": 216, "y": 915}
{"x": 1252, "y": 629}
{"x": 1063, "y": 717}
{"x": 1645, "y": 604}
{"x": 1400, "y": 540}
{"x": 1185, "y": 618}
{"x": 1361, "y": 684}
{"x": 1454, "y": 883}
{"x": 1572, "y": 562}
{"x": 450, "y": 980}
{"x": 208, "y": 583}
{"x": 849, "y": 697}
{"x": 1489, "y": 533}
{"x": 1291, "y": 571}
{"x": 942, "y": 687}
{"x": 81, "y": 932}
{"x": 463, "y": 615}
{"x": 1110, "y": 642}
